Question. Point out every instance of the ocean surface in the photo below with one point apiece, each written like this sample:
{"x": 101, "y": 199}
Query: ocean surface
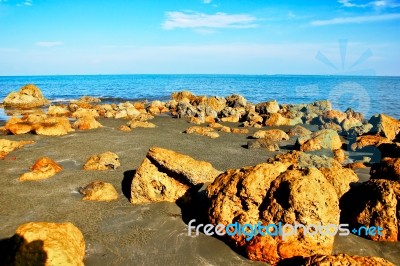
{"x": 369, "y": 95}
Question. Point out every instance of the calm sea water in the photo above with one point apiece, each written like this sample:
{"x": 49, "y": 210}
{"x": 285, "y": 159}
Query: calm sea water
{"x": 368, "y": 95}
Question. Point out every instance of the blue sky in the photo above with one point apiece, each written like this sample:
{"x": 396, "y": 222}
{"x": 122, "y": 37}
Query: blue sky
{"x": 199, "y": 36}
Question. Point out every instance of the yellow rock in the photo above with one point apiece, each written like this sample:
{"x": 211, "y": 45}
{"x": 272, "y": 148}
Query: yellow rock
{"x": 28, "y": 96}
{"x": 7, "y": 146}
{"x": 103, "y": 161}
{"x": 42, "y": 169}
{"x": 99, "y": 191}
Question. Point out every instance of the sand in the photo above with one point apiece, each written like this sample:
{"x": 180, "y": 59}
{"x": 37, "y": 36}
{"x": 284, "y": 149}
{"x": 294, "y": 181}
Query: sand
{"x": 119, "y": 233}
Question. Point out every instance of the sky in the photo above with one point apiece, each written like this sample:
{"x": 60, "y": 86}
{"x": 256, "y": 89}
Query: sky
{"x": 62, "y": 37}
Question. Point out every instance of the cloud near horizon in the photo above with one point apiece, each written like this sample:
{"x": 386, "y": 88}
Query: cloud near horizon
{"x": 195, "y": 20}
{"x": 49, "y": 44}
{"x": 356, "y": 20}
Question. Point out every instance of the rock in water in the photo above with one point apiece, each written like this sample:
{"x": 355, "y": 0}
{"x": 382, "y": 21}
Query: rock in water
{"x": 27, "y": 97}
{"x": 323, "y": 139}
{"x": 40, "y": 243}
{"x": 385, "y": 126}
{"x": 165, "y": 175}
{"x": 42, "y": 169}
{"x": 104, "y": 161}
{"x": 99, "y": 191}
{"x": 344, "y": 259}
{"x": 270, "y": 194}
{"x": 7, "y": 146}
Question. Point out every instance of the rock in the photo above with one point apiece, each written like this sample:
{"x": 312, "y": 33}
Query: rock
{"x": 54, "y": 126}
{"x": 179, "y": 96}
{"x": 271, "y": 134}
{"x": 89, "y": 99}
{"x": 331, "y": 126}
{"x": 271, "y": 194}
{"x": 389, "y": 149}
{"x": 29, "y": 96}
{"x": 135, "y": 124}
{"x": 335, "y": 116}
{"x": 235, "y": 101}
{"x": 349, "y": 123}
{"x": 215, "y": 125}
{"x": 339, "y": 155}
{"x": 374, "y": 203}
{"x": 196, "y": 120}
{"x": 143, "y": 117}
{"x": 231, "y": 119}
{"x": 356, "y": 165}
{"x": 42, "y": 169}
{"x": 17, "y": 126}
{"x": 343, "y": 260}
{"x": 353, "y": 114}
{"x": 270, "y": 107}
{"x": 41, "y": 243}
{"x": 165, "y": 175}
{"x": 354, "y": 132}
{"x": 298, "y": 130}
{"x": 239, "y": 131}
{"x": 57, "y": 111}
{"x": 225, "y": 129}
{"x": 278, "y": 120}
{"x": 124, "y": 128}
{"x": 86, "y": 123}
{"x": 253, "y": 119}
{"x": 385, "y": 125}
{"x": 216, "y": 103}
{"x": 84, "y": 112}
{"x": 388, "y": 168}
{"x": 323, "y": 139}
{"x": 266, "y": 144}
{"x": 104, "y": 161}
{"x": 203, "y": 131}
{"x": 340, "y": 178}
{"x": 99, "y": 191}
{"x": 7, "y": 146}
{"x": 368, "y": 140}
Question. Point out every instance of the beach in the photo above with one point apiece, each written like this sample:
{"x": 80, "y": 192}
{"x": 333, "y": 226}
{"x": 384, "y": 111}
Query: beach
{"x": 119, "y": 233}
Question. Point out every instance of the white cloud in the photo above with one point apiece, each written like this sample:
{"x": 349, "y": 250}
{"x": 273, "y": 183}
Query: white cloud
{"x": 49, "y": 44}
{"x": 207, "y": 1}
{"x": 375, "y": 4}
{"x": 196, "y": 20}
{"x": 357, "y": 19}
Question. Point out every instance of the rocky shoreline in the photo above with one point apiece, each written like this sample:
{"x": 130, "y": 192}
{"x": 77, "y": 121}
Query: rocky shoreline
{"x": 230, "y": 160}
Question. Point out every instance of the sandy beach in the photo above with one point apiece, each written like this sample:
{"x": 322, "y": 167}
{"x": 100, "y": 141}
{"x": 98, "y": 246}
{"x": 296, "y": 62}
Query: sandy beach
{"x": 119, "y": 233}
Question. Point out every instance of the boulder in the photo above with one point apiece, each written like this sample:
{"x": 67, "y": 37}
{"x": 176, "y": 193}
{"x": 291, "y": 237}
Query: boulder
{"x": 29, "y": 96}
{"x": 374, "y": 203}
{"x": 231, "y": 119}
{"x": 298, "y": 130}
{"x": 270, "y": 107}
{"x": 271, "y": 134}
{"x": 276, "y": 119}
{"x": 143, "y": 117}
{"x": 253, "y": 119}
{"x": 349, "y": 123}
{"x": 323, "y": 139}
{"x": 54, "y": 126}
{"x": 216, "y": 103}
{"x": 103, "y": 161}
{"x": 388, "y": 168}
{"x": 239, "y": 131}
{"x": 84, "y": 112}
{"x": 41, "y": 243}
{"x": 354, "y": 132}
{"x": 266, "y": 144}
{"x": 339, "y": 155}
{"x": 143, "y": 124}
{"x": 7, "y": 146}
{"x": 335, "y": 116}
{"x": 368, "y": 140}
{"x": 17, "y": 126}
{"x": 179, "y": 96}
{"x": 57, "y": 111}
{"x": 344, "y": 259}
{"x": 356, "y": 165}
{"x": 99, "y": 191}
{"x": 235, "y": 101}
{"x": 124, "y": 128}
{"x": 86, "y": 123}
{"x": 203, "y": 131}
{"x": 385, "y": 126}
{"x": 42, "y": 169}
{"x": 165, "y": 175}
{"x": 272, "y": 194}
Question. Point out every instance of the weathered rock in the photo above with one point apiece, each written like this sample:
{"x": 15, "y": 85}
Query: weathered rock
{"x": 136, "y": 124}
{"x": 231, "y": 119}
{"x": 344, "y": 260}
{"x": 84, "y": 112}
{"x": 266, "y": 144}
{"x": 124, "y": 128}
{"x": 388, "y": 168}
{"x": 385, "y": 125}
{"x": 339, "y": 155}
{"x": 17, "y": 126}
{"x": 143, "y": 117}
{"x": 340, "y": 178}
{"x": 323, "y": 139}
{"x": 349, "y": 123}
{"x": 179, "y": 96}
{"x": 270, "y": 194}
{"x": 235, "y": 100}
{"x": 29, "y": 96}
{"x": 89, "y": 99}
{"x": 99, "y": 191}
{"x": 270, "y": 107}
{"x": 165, "y": 175}
{"x": 41, "y": 243}
{"x": 225, "y": 129}
{"x": 196, "y": 120}
{"x": 203, "y": 131}
{"x": 53, "y": 126}
{"x": 57, "y": 111}
{"x": 215, "y": 125}
{"x": 239, "y": 131}
{"x": 368, "y": 140}
{"x": 86, "y": 123}
{"x": 356, "y": 165}
{"x": 42, "y": 169}
{"x": 216, "y": 103}
{"x": 335, "y": 116}
{"x": 298, "y": 130}
{"x": 7, "y": 146}
{"x": 354, "y": 132}
{"x": 374, "y": 203}
{"x": 276, "y": 119}
{"x": 271, "y": 134}
{"x": 253, "y": 119}
{"x": 353, "y": 114}
{"x": 104, "y": 161}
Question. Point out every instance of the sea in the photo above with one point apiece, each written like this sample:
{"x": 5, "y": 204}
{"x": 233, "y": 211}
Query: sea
{"x": 367, "y": 94}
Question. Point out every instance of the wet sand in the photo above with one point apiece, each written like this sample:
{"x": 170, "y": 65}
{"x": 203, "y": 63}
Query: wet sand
{"x": 119, "y": 233}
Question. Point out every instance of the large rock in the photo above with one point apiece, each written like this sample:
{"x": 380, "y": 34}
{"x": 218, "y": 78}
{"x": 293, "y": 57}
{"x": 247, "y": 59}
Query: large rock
{"x": 53, "y": 126}
{"x": 42, "y": 169}
{"x": 385, "y": 125}
{"x": 270, "y": 107}
{"x": 203, "y": 131}
{"x": 165, "y": 175}
{"x": 18, "y": 126}
{"x": 276, "y": 119}
{"x": 235, "y": 101}
{"x": 349, "y": 123}
{"x": 272, "y": 194}
{"x": 388, "y": 168}
{"x": 57, "y": 111}
{"x": 86, "y": 123}
{"x": 271, "y": 134}
{"x": 103, "y": 161}
{"x": 323, "y": 139}
{"x": 368, "y": 140}
{"x": 7, "y": 146}
{"x": 41, "y": 243}
{"x": 28, "y": 96}
{"x": 216, "y": 103}
{"x": 344, "y": 260}
{"x": 99, "y": 191}
{"x": 374, "y": 203}
{"x": 298, "y": 130}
